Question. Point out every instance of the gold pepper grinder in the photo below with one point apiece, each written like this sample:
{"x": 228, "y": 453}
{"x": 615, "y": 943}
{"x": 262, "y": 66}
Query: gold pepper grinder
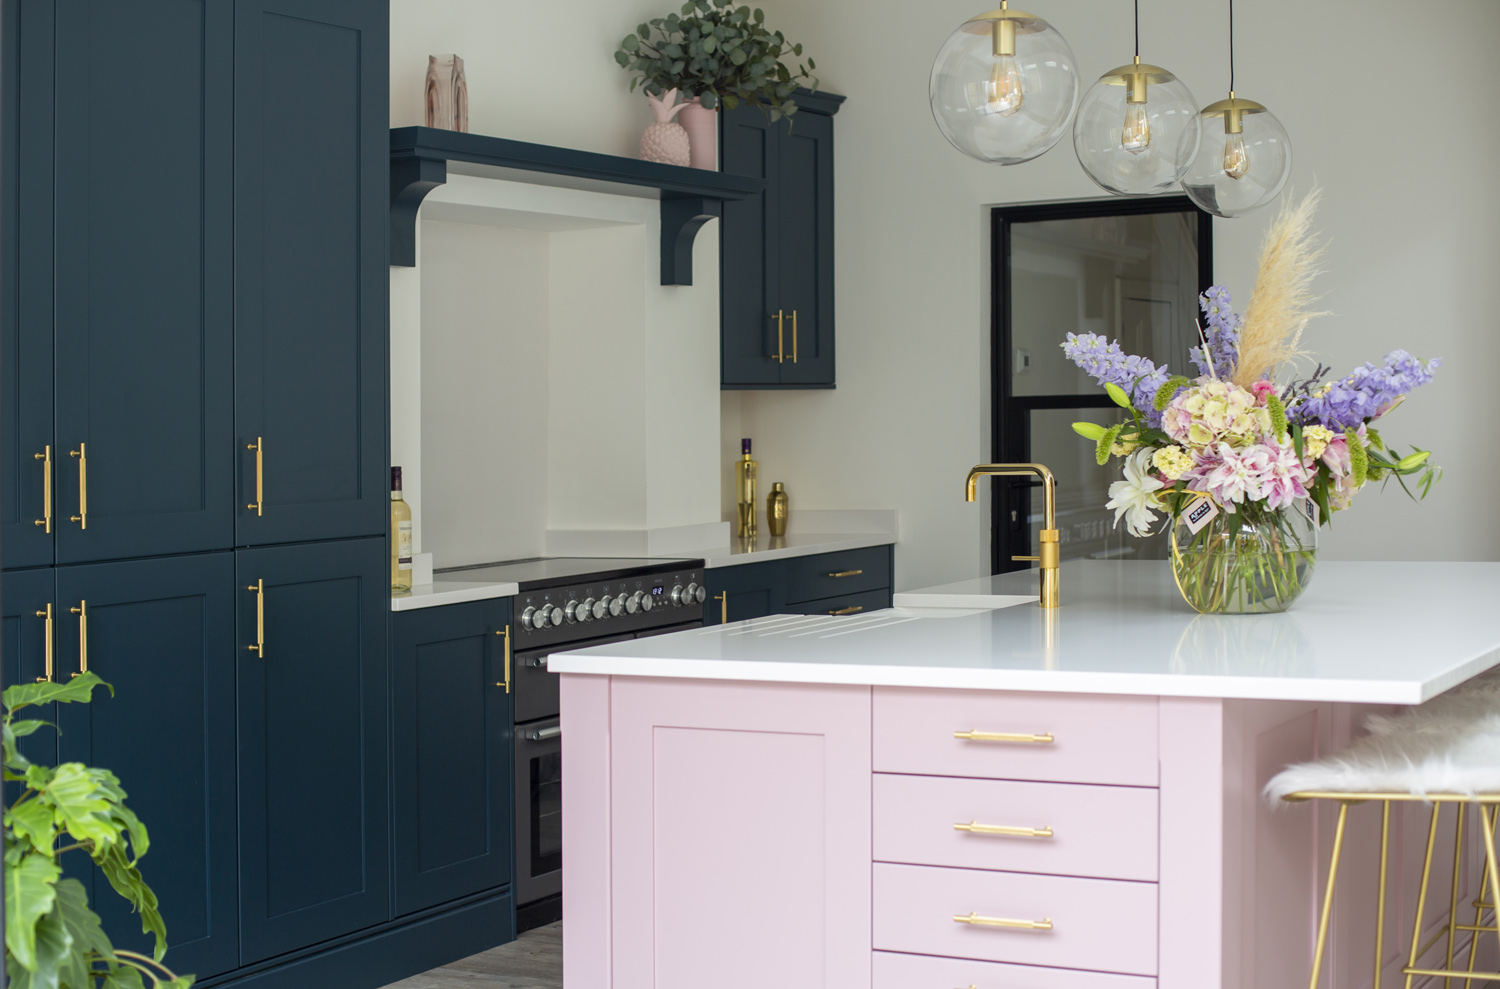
{"x": 777, "y": 508}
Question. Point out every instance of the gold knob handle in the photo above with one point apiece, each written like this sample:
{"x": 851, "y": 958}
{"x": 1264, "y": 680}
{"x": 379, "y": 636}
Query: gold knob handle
{"x": 259, "y": 648}
{"x": 847, "y": 573}
{"x": 723, "y": 600}
{"x": 1045, "y": 924}
{"x": 82, "y": 611}
{"x": 1003, "y": 830}
{"x": 974, "y": 735}
{"x": 47, "y": 650}
{"x": 506, "y": 683}
{"x": 780, "y": 337}
{"x": 794, "y": 336}
{"x": 848, "y": 611}
{"x": 258, "y": 505}
{"x": 46, "y": 520}
{"x": 82, "y": 518}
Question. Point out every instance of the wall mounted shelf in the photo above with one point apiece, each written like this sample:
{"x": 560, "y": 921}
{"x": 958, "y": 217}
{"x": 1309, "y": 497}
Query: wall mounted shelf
{"x": 420, "y": 158}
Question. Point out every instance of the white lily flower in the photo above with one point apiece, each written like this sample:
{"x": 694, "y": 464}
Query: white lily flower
{"x": 1135, "y": 497}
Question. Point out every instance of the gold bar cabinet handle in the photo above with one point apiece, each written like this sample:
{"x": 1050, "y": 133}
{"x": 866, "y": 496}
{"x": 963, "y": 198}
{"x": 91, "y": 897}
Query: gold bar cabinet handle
{"x": 723, "y": 600}
{"x": 506, "y": 683}
{"x": 974, "y": 735}
{"x": 1045, "y": 924}
{"x": 1003, "y": 830}
{"x": 260, "y": 475}
{"x": 847, "y": 573}
{"x": 259, "y": 648}
{"x": 794, "y": 336}
{"x": 47, "y": 652}
{"x": 46, "y": 520}
{"x": 780, "y": 327}
{"x": 848, "y": 611}
{"x": 82, "y": 453}
{"x": 82, "y": 611}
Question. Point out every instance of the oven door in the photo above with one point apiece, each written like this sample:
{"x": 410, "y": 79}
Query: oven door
{"x": 538, "y": 810}
{"x": 536, "y": 688}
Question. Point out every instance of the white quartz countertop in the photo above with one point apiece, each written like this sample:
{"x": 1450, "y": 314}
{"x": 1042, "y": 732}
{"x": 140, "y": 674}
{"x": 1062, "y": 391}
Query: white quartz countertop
{"x": 768, "y": 547}
{"x": 1384, "y": 633}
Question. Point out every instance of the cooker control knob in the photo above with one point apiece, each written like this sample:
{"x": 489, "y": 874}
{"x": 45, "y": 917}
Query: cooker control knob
{"x": 543, "y": 616}
{"x": 570, "y": 611}
{"x": 617, "y": 605}
{"x": 633, "y": 603}
{"x": 601, "y": 606}
{"x": 646, "y": 602}
{"x": 528, "y": 618}
{"x": 586, "y": 610}
{"x": 702, "y": 594}
{"x": 557, "y": 616}
{"x": 677, "y": 594}
{"x": 690, "y": 596}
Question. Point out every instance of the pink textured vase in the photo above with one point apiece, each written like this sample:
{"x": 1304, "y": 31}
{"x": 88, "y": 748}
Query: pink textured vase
{"x": 702, "y": 127}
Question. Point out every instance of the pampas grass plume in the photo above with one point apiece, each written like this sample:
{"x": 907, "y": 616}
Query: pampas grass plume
{"x": 1280, "y": 306}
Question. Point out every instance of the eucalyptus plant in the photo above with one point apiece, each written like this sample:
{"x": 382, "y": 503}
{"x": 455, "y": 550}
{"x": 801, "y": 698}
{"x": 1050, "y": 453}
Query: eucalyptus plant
{"x": 52, "y": 938}
{"x": 720, "y": 53}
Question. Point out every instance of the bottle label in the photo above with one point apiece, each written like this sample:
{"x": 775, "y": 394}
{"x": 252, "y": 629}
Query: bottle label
{"x": 403, "y": 545}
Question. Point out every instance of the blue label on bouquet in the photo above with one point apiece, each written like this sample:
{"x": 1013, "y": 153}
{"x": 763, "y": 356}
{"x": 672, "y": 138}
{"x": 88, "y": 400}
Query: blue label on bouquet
{"x": 1201, "y": 514}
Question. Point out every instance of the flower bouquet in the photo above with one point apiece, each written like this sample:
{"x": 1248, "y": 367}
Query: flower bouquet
{"x": 1245, "y": 468}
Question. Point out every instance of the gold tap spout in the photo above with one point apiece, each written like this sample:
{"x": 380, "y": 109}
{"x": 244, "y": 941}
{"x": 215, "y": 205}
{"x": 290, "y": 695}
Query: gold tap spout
{"x": 1050, "y": 549}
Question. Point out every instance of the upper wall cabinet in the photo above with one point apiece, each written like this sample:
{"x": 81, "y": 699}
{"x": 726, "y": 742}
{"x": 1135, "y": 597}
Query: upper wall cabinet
{"x": 310, "y": 201}
{"x": 776, "y": 283}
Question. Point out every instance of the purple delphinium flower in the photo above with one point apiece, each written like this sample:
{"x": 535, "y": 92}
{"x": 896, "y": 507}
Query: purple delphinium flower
{"x": 1365, "y": 393}
{"x": 1221, "y": 330}
{"x": 1104, "y": 361}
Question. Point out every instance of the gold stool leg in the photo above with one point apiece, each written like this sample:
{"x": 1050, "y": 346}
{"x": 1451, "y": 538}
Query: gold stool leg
{"x": 1333, "y": 873}
{"x": 1458, "y": 847}
{"x": 1385, "y": 844}
{"x": 1494, "y": 870}
{"x": 1416, "y": 933}
{"x": 1484, "y": 880}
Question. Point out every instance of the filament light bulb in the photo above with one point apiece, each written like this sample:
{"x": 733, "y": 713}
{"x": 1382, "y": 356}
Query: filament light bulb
{"x": 1236, "y": 158}
{"x": 1003, "y": 92}
{"x": 1135, "y": 135}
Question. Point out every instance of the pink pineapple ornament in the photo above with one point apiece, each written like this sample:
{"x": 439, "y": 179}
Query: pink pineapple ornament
{"x": 666, "y": 141}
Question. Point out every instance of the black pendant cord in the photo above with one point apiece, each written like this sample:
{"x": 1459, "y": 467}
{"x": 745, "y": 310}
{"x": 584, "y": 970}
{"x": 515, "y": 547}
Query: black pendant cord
{"x": 1231, "y": 45}
{"x": 1137, "y": 28}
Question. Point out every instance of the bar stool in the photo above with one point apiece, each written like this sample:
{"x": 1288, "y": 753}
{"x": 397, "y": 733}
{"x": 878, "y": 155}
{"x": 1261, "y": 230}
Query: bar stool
{"x": 1446, "y": 751}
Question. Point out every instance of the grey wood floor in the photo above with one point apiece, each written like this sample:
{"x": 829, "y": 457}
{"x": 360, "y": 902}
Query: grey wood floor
{"x": 532, "y": 961}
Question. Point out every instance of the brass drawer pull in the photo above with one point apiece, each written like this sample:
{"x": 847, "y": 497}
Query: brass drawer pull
{"x": 974, "y": 735}
{"x": 849, "y": 610}
{"x": 46, "y": 520}
{"x": 1003, "y": 830}
{"x": 780, "y": 337}
{"x": 258, "y": 506}
{"x": 794, "y": 336}
{"x": 82, "y": 611}
{"x": 723, "y": 600}
{"x": 259, "y": 587}
{"x": 847, "y": 573}
{"x": 506, "y": 682}
{"x": 48, "y": 650}
{"x": 82, "y": 453}
{"x": 1045, "y": 924}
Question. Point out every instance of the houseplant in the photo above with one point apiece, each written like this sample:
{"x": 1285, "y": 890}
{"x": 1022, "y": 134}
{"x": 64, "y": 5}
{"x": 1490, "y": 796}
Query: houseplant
{"x": 52, "y": 938}
{"x": 716, "y": 54}
{"x": 1244, "y": 467}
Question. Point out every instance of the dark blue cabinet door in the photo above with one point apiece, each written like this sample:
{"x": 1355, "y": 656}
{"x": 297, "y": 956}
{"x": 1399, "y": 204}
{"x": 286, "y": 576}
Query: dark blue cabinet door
{"x": 452, "y": 743}
{"x": 26, "y": 444}
{"x": 753, "y": 590}
{"x": 161, "y": 632}
{"x": 805, "y": 247}
{"x": 143, "y": 278}
{"x": 747, "y": 242}
{"x": 311, "y": 191}
{"x": 314, "y": 857}
{"x": 27, "y": 643}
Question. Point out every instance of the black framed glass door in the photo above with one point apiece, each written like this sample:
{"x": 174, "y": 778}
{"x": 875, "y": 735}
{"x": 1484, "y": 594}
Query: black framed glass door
{"x": 1128, "y": 269}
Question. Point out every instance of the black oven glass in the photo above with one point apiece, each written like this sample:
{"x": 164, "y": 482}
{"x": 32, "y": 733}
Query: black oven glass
{"x": 546, "y": 813}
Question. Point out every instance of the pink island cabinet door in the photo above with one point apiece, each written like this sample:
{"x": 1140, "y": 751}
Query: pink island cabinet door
{"x": 739, "y": 835}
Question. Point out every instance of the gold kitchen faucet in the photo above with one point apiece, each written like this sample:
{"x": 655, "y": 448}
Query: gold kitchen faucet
{"x": 1049, "y": 548}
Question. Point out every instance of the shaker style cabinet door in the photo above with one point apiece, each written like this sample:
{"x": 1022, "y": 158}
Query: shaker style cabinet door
{"x": 161, "y": 632}
{"x": 28, "y": 643}
{"x": 314, "y": 858}
{"x": 310, "y": 204}
{"x": 749, "y": 590}
{"x": 142, "y": 451}
{"x": 27, "y": 448}
{"x": 452, "y": 743}
{"x": 747, "y": 258}
{"x": 805, "y": 247}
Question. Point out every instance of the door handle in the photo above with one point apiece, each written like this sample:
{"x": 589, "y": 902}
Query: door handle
{"x": 1045, "y": 924}
{"x": 82, "y": 611}
{"x": 82, "y": 453}
{"x": 258, "y": 506}
{"x": 780, "y": 331}
{"x": 46, "y": 520}
{"x": 48, "y": 650}
{"x": 974, "y": 735}
{"x": 794, "y": 336}
{"x": 544, "y": 734}
{"x": 723, "y": 600}
{"x": 849, "y": 610}
{"x": 846, "y": 573}
{"x": 506, "y": 682}
{"x": 259, "y": 648}
{"x": 1003, "y": 830}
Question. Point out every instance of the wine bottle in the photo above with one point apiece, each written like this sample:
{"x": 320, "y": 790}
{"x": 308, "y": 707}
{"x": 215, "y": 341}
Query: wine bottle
{"x": 745, "y": 471}
{"x": 400, "y": 536}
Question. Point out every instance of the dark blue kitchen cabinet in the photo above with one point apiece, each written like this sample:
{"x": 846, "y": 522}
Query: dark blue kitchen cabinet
{"x": 28, "y": 640}
{"x": 310, "y": 203}
{"x": 142, "y": 453}
{"x": 746, "y": 590}
{"x": 776, "y": 249}
{"x": 312, "y": 690}
{"x": 843, "y": 583}
{"x": 451, "y": 734}
{"x": 161, "y": 632}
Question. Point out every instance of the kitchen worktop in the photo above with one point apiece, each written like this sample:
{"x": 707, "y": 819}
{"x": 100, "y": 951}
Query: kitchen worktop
{"x": 1391, "y": 633}
{"x": 768, "y": 547}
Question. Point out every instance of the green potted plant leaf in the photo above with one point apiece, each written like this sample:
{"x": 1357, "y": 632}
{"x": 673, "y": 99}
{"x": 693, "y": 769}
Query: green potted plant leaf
{"x": 52, "y": 938}
{"x": 716, "y": 54}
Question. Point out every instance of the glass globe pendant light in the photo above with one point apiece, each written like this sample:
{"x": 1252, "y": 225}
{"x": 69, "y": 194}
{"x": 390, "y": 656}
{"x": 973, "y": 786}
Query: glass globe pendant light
{"x": 1137, "y": 128}
{"x": 1004, "y": 86}
{"x": 1244, "y": 157}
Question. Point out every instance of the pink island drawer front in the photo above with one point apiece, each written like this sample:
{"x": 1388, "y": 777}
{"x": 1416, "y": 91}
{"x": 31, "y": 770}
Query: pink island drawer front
{"x": 897, "y": 971}
{"x": 1056, "y": 921}
{"x": 1068, "y": 829}
{"x": 1059, "y": 738}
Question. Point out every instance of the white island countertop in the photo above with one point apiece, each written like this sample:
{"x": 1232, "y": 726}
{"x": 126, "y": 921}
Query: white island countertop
{"x": 1383, "y": 633}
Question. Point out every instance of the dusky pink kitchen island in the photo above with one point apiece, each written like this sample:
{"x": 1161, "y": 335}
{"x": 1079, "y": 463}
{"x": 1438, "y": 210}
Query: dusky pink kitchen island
{"x": 969, "y": 791}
